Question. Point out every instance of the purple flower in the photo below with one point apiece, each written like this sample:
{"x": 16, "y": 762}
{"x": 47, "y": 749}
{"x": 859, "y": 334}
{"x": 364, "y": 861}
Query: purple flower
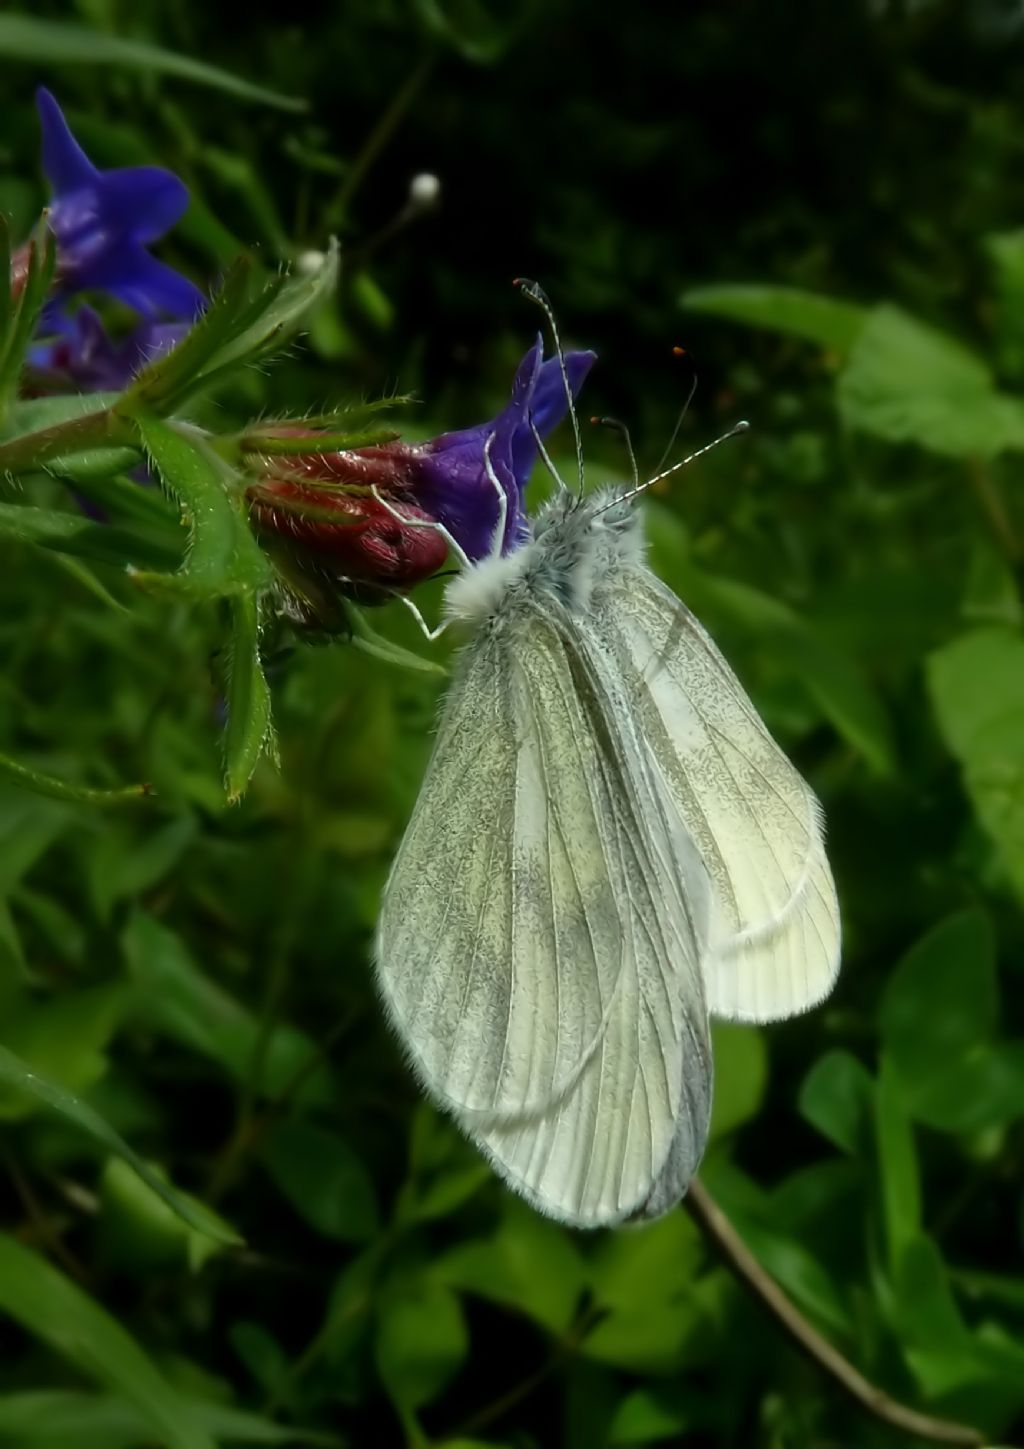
{"x": 103, "y": 222}
{"x": 449, "y": 479}
{"x": 76, "y": 353}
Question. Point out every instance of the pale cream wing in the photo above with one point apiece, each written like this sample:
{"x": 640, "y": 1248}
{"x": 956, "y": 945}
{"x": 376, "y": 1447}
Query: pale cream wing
{"x": 500, "y": 949}
{"x": 774, "y": 936}
{"x": 624, "y": 1139}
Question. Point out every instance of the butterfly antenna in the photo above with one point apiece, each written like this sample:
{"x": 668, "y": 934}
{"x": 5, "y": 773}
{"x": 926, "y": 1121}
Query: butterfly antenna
{"x": 741, "y": 427}
{"x": 679, "y": 352}
{"x": 619, "y": 427}
{"x": 537, "y": 295}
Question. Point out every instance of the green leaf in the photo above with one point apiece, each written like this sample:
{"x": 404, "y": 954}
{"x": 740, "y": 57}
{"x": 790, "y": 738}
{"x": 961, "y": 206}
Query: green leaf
{"x": 62, "y": 1039}
{"x": 977, "y": 690}
{"x": 843, "y": 694}
{"x": 528, "y": 1263}
{"x": 781, "y": 309}
{"x": 141, "y": 1233}
{"x": 837, "y": 1097}
{"x": 53, "y": 42}
{"x": 326, "y": 1182}
{"x": 223, "y": 556}
{"x": 249, "y": 729}
{"x": 195, "y": 1011}
{"x": 650, "y": 1415}
{"x": 421, "y": 1343}
{"x": 954, "y": 1075}
{"x": 906, "y": 382}
{"x": 53, "y": 1309}
{"x": 741, "y": 1075}
{"x": 17, "y": 1077}
{"x": 899, "y": 1181}
{"x": 238, "y": 328}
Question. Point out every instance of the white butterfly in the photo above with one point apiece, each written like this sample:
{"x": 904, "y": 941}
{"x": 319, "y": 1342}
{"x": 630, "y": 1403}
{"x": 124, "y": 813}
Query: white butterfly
{"x": 607, "y": 847}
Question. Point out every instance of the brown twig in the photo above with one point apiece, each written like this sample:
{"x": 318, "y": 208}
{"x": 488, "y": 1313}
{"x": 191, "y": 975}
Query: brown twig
{"x": 713, "y": 1222}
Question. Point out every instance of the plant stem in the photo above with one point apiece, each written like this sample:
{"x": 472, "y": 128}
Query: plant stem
{"x": 713, "y": 1222}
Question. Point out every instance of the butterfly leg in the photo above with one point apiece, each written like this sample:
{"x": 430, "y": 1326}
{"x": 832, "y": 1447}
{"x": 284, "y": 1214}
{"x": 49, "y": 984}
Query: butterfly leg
{"x": 431, "y": 635}
{"x": 498, "y": 537}
{"x": 449, "y": 538}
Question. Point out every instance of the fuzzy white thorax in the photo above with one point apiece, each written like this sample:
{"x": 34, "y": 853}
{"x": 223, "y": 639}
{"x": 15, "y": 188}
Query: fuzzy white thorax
{"x": 574, "y": 544}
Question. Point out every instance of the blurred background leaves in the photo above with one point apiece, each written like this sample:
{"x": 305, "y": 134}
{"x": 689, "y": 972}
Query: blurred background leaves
{"x": 824, "y": 204}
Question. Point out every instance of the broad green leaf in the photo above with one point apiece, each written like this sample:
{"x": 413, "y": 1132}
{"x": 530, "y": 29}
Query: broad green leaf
{"x": 817, "y": 318}
{"x": 194, "y": 1010}
{"x": 62, "y": 1038}
{"x": 249, "y": 729}
{"x": 421, "y": 1343}
{"x": 651, "y": 1415}
{"x": 843, "y": 694}
{"x": 951, "y": 972}
{"x": 17, "y": 1077}
{"x": 799, "y": 1272}
{"x": 324, "y": 1179}
{"x": 141, "y": 1233}
{"x": 55, "y": 1310}
{"x": 837, "y": 1097}
{"x": 944, "y": 1355}
{"x": 223, "y": 556}
{"x": 906, "y": 382}
{"x": 977, "y": 690}
{"x": 55, "y": 42}
{"x": 527, "y": 1263}
{"x": 938, "y": 1019}
{"x": 741, "y": 1075}
{"x": 654, "y": 1261}
{"x": 899, "y": 1181}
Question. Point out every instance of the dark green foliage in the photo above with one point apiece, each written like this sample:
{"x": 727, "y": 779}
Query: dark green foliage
{"x": 226, "y": 1216}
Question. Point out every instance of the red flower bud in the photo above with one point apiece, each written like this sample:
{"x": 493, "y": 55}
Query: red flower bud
{"x": 351, "y": 534}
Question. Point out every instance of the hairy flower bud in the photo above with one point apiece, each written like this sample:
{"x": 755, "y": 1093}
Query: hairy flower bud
{"x": 352, "y": 536}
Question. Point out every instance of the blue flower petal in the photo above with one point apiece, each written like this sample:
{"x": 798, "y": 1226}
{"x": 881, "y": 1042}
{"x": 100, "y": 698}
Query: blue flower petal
{"x": 143, "y": 283}
{"x": 67, "y": 166}
{"x": 145, "y": 201}
{"x": 103, "y": 221}
{"x": 451, "y": 480}
{"x": 78, "y": 351}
